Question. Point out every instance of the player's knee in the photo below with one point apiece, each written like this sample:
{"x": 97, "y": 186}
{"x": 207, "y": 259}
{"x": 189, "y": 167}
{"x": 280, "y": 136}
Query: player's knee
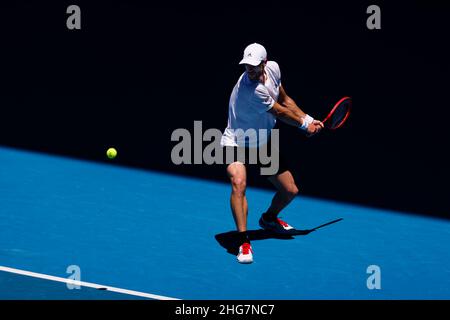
{"x": 239, "y": 185}
{"x": 291, "y": 191}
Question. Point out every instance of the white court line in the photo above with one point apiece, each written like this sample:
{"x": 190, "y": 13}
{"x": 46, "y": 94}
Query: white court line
{"x": 85, "y": 284}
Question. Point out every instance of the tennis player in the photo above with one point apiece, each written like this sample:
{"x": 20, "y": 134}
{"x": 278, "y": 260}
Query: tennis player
{"x": 257, "y": 101}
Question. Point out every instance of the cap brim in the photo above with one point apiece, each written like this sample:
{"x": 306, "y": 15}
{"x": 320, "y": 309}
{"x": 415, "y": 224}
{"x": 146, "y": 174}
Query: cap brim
{"x": 252, "y": 62}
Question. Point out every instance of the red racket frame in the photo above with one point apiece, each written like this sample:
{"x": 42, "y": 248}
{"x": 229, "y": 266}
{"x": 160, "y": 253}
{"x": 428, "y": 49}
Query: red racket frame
{"x": 334, "y": 109}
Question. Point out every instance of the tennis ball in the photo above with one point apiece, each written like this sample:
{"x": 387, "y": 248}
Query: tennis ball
{"x": 111, "y": 153}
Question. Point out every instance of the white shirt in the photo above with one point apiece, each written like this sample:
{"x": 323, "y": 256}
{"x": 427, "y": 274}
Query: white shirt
{"x": 248, "y": 106}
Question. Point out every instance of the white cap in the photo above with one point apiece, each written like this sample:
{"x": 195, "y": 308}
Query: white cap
{"x": 254, "y": 54}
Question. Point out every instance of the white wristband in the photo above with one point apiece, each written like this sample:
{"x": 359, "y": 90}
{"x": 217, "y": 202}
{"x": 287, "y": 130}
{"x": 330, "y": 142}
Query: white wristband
{"x": 307, "y": 120}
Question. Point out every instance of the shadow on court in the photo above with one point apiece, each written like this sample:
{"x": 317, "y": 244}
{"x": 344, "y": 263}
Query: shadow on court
{"x": 230, "y": 240}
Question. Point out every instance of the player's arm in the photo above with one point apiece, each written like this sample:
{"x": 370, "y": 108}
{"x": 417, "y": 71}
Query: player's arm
{"x": 289, "y": 103}
{"x": 287, "y": 111}
{"x": 287, "y": 115}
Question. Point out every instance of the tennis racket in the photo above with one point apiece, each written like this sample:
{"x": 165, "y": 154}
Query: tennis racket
{"x": 326, "y": 224}
{"x": 339, "y": 114}
{"x": 296, "y": 232}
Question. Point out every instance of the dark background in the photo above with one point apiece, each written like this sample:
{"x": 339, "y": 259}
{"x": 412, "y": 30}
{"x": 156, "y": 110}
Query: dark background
{"x": 137, "y": 71}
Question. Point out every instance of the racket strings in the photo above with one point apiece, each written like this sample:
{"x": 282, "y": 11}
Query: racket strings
{"x": 338, "y": 116}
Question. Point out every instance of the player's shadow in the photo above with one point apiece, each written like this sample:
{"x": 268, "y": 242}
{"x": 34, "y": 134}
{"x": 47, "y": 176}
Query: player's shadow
{"x": 230, "y": 241}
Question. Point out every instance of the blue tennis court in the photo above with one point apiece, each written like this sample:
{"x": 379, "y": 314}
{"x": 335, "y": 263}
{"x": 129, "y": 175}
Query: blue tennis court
{"x": 164, "y": 236}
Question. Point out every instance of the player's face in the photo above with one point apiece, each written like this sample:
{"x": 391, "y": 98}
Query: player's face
{"x": 254, "y": 72}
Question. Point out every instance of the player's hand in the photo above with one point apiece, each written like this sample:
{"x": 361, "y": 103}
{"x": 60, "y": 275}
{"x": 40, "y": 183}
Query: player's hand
{"x": 315, "y": 127}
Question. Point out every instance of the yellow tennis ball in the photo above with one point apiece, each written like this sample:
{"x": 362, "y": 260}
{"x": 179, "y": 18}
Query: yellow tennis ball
{"x": 111, "y": 153}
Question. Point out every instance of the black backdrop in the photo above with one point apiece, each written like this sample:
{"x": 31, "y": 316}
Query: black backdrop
{"x": 136, "y": 71}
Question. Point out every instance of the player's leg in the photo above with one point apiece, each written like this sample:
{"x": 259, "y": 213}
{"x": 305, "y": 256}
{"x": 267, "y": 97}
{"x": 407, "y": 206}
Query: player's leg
{"x": 239, "y": 206}
{"x": 238, "y": 178}
{"x": 245, "y": 209}
{"x": 286, "y": 192}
